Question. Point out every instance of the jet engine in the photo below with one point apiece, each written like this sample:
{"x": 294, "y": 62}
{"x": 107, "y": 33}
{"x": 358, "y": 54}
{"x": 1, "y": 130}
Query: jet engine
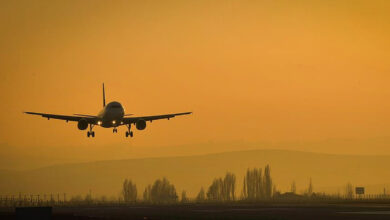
{"x": 140, "y": 124}
{"x": 82, "y": 124}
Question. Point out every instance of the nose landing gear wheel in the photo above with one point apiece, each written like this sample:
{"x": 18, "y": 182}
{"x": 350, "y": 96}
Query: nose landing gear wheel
{"x": 90, "y": 134}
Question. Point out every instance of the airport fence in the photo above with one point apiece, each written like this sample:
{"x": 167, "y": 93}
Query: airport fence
{"x": 60, "y": 199}
{"x": 21, "y": 200}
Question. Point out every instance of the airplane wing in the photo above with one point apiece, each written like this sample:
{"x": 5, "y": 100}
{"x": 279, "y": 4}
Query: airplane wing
{"x": 89, "y": 119}
{"x": 131, "y": 120}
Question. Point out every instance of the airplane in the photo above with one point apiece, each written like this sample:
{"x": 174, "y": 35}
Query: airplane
{"x": 111, "y": 116}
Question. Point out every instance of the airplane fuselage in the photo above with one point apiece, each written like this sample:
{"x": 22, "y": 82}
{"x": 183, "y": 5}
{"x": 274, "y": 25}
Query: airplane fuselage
{"x": 111, "y": 115}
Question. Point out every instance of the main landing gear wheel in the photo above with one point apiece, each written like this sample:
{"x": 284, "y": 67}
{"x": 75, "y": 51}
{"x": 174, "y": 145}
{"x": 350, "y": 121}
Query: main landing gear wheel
{"x": 129, "y": 134}
{"x": 90, "y": 132}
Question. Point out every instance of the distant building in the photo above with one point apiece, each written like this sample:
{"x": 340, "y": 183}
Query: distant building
{"x": 359, "y": 190}
{"x": 288, "y": 196}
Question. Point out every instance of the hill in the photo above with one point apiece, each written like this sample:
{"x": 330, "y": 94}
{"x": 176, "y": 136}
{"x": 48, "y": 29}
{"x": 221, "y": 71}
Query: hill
{"x": 192, "y": 172}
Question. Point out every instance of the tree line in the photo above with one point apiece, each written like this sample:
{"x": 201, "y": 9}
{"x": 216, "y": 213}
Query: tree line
{"x": 257, "y": 186}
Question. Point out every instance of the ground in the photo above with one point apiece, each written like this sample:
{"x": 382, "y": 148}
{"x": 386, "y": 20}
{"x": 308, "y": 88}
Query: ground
{"x": 210, "y": 211}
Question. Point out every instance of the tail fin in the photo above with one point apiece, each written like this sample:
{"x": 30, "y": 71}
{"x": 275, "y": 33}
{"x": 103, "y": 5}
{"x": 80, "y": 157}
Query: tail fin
{"x": 104, "y": 97}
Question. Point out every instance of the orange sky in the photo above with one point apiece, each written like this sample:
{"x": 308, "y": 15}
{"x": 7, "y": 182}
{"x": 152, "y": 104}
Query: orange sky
{"x": 271, "y": 71}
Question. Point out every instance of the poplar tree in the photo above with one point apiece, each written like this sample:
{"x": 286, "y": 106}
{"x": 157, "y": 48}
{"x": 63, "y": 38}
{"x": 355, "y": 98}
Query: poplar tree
{"x": 222, "y": 189}
{"x": 348, "y": 191}
{"x": 201, "y": 195}
{"x": 129, "y": 191}
{"x": 293, "y": 187}
{"x": 310, "y": 188}
{"x": 267, "y": 182}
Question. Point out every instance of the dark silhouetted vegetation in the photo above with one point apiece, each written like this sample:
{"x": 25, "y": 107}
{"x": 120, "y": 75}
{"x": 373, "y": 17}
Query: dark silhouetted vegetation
{"x": 267, "y": 182}
{"x": 160, "y": 192}
{"x": 222, "y": 189}
{"x": 201, "y": 197}
{"x": 293, "y": 187}
{"x": 256, "y": 186}
{"x": 310, "y": 188}
{"x": 184, "y": 197}
{"x": 129, "y": 191}
{"x": 349, "y": 191}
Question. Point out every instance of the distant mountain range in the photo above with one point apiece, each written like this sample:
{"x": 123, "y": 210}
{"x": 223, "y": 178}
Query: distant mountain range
{"x": 328, "y": 172}
{"x": 18, "y": 157}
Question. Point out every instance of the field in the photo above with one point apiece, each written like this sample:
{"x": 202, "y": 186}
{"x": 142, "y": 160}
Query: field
{"x": 210, "y": 211}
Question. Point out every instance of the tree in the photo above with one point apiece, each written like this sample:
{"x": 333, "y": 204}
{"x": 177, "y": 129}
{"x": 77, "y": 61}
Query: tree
{"x": 267, "y": 182}
{"x": 88, "y": 198}
{"x": 222, "y": 189}
{"x": 310, "y": 188}
{"x": 349, "y": 191}
{"x": 163, "y": 192}
{"x": 201, "y": 197}
{"x": 129, "y": 191}
{"x": 253, "y": 185}
{"x": 229, "y": 185}
{"x": 256, "y": 186}
{"x": 147, "y": 192}
{"x": 184, "y": 198}
{"x": 214, "y": 192}
{"x": 293, "y": 187}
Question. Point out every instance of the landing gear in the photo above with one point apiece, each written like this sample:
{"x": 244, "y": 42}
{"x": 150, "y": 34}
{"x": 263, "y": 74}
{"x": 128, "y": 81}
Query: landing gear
{"x": 90, "y": 132}
{"x": 115, "y": 130}
{"x": 128, "y": 132}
